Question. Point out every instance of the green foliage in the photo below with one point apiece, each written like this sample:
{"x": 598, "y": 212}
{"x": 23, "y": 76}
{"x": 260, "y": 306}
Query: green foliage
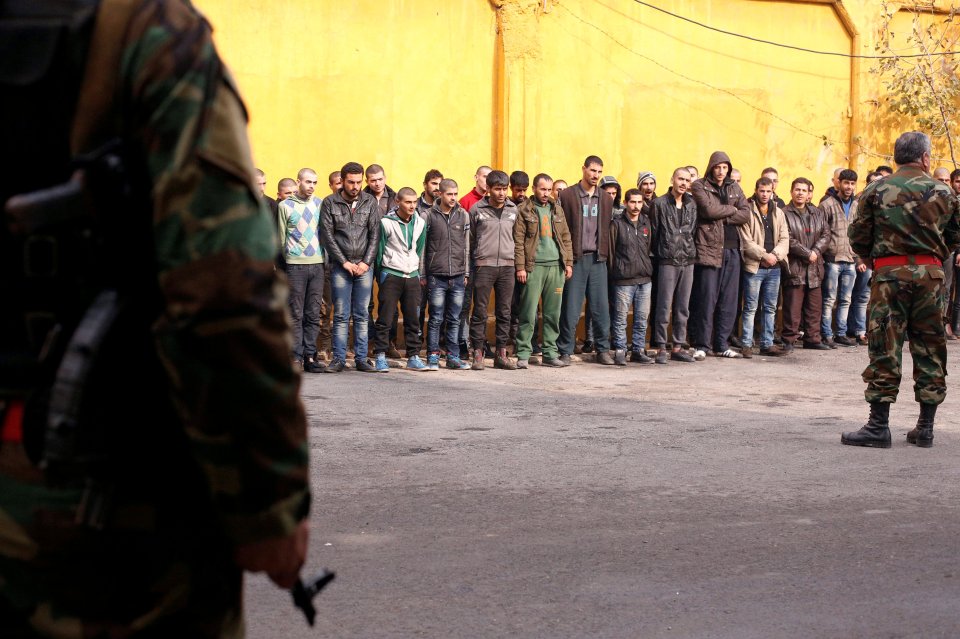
{"x": 924, "y": 89}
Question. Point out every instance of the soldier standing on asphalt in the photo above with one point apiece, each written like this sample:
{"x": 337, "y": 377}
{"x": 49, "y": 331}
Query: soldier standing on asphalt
{"x": 908, "y": 224}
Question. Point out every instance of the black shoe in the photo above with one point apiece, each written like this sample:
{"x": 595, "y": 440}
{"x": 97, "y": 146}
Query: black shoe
{"x": 364, "y": 366}
{"x": 818, "y": 346}
{"x": 772, "y": 352}
{"x": 313, "y": 366}
{"x": 554, "y": 362}
{"x": 662, "y": 356}
{"x": 588, "y": 346}
{"x": 845, "y": 341}
{"x": 862, "y": 340}
{"x": 875, "y": 433}
{"x": 681, "y": 356}
{"x": 620, "y": 358}
{"x": 829, "y": 342}
{"x": 565, "y": 360}
{"x": 735, "y": 341}
{"x": 335, "y": 366}
{"x": 640, "y": 357}
{"x": 922, "y": 433}
{"x": 488, "y": 352}
{"x": 605, "y": 358}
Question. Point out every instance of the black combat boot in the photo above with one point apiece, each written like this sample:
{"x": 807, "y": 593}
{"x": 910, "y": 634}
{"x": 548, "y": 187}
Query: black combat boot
{"x": 876, "y": 432}
{"x": 922, "y": 433}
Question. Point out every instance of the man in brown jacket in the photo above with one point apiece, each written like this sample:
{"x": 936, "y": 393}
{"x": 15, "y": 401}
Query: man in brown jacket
{"x": 764, "y": 242}
{"x": 839, "y": 208}
{"x": 543, "y": 256}
{"x": 802, "y": 300}
{"x": 588, "y": 211}
{"x": 721, "y": 210}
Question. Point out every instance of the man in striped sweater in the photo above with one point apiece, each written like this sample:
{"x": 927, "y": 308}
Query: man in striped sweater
{"x": 298, "y": 219}
{"x": 403, "y": 236}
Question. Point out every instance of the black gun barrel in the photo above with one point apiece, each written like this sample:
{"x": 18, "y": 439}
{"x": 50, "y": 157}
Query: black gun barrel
{"x": 304, "y": 592}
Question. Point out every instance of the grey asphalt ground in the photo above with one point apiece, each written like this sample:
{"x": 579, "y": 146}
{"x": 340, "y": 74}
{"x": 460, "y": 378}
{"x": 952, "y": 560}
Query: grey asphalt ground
{"x": 689, "y": 500}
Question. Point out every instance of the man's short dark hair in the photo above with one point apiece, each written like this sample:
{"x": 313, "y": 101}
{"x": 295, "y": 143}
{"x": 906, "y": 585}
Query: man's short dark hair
{"x": 764, "y": 181}
{"x": 873, "y": 175}
{"x": 910, "y": 147}
{"x": 351, "y": 168}
{"x": 446, "y": 184}
{"x": 405, "y": 192}
{"x": 497, "y": 178}
{"x": 285, "y": 182}
{"x": 304, "y": 171}
{"x": 848, "y": 175}
{"x": 592, "y": 159}
{"x": 540, "y": 176}
{"x": 432, "y": 174}
{"x": 770, "y": 169}
{"x": 882, "y": 168}
{"x": 333, "y": 176}
{"x": 802, "y": 180}
{"x": 373, "y": 169}
{"x": 519, "y": 178}
{"x": 630, "y": 193}
{"x": 954, "y": 174}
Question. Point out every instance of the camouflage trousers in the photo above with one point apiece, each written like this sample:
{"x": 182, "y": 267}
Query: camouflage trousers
{"x": 906, "y": 300}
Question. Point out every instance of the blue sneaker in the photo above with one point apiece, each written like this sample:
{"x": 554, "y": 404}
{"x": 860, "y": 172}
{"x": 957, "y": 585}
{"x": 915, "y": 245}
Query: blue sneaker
{"x": 416, "y": 364}
{"x": 382, "y": 365}
{"x": 433, "y": 362}
{"x": 457, "y": 364}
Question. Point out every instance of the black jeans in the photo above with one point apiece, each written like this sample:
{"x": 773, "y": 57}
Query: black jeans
{"x": 407, "y": 291}
{"x": 713, "y": 302}
{"x": 500, "y": 279}
{"x": 306, "y": 296}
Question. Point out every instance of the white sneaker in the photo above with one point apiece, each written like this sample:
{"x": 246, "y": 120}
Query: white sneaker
{"x": 699, "y": 355}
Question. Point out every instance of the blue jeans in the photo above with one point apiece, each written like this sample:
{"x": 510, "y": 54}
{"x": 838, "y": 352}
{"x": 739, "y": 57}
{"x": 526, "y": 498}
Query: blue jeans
{"x": 351, "y": 294}
{"x": 445, "y": 295}
{"x": 306, "y": 295}
{"x": 636, "y": 296}
{"x": 762, "y": 286}
{"x": 858, "y": 306}
{"x": 838, "y": 281}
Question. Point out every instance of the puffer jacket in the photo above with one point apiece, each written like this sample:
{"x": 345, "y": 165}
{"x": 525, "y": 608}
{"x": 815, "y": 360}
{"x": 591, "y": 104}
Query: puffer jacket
{"x": 448, "y": 241}
{"x": 629, "y": 262}
{"x": 839, "y": 249}
{"x": 673, "y": 231}
{"x": 526, "y": 235}
{"x": 713, "y": 214}
{"x": 809, "y": 231}
{"x": 350, "y": 236}
{"x": 491, "y": 234}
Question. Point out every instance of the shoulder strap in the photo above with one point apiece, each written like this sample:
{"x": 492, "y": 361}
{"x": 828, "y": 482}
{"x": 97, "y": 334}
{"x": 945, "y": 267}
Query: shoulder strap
{"x": 96, "y": 116}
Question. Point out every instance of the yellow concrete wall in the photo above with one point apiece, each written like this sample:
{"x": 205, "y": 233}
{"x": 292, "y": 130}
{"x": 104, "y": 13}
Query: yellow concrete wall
{"x": 407, "y": 84}
{"x": 538, "y": 85}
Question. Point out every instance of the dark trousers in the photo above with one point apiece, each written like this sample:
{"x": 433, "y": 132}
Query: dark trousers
{"x": 499, "y": 279}
{"x": 589, "y": 275}
{"x": 802, "y": 305}
{"x": 713, "y": 302}
{"x": 306, "y": 293}
{"x": 407, "y": 291}
{"x": 325, "y": 334}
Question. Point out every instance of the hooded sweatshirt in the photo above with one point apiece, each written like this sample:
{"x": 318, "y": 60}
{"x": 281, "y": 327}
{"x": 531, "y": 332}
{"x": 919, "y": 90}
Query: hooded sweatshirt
{"x": 718, "y": 206}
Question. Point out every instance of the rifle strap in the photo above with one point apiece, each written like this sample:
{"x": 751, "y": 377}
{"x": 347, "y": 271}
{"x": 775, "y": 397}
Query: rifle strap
{"x": 96, "y": 119}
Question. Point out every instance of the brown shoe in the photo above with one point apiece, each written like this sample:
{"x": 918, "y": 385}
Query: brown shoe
{"x": 503, "y": 361}
{"x": 477, "y": 364}
{"x": 393, "y": 353}
{"x": 746, "y": 352}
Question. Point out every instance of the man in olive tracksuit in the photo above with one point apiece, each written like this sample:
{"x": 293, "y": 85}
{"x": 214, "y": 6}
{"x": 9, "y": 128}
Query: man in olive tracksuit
{"x": 544, "y": 260}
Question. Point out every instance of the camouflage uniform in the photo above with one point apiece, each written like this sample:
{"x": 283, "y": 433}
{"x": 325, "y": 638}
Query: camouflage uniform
{"x": 208, "y": 451}
{"x": 906, "y": 214}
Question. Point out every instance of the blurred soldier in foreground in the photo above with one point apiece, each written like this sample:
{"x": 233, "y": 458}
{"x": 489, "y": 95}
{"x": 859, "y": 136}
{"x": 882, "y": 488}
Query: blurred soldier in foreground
{"x": 907, "y": 225}
{"x": 152, "y": 443}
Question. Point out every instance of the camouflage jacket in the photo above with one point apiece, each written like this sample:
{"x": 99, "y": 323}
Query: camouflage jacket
{"x": 223, "y": 338}
{"x": 907, "y": 213}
